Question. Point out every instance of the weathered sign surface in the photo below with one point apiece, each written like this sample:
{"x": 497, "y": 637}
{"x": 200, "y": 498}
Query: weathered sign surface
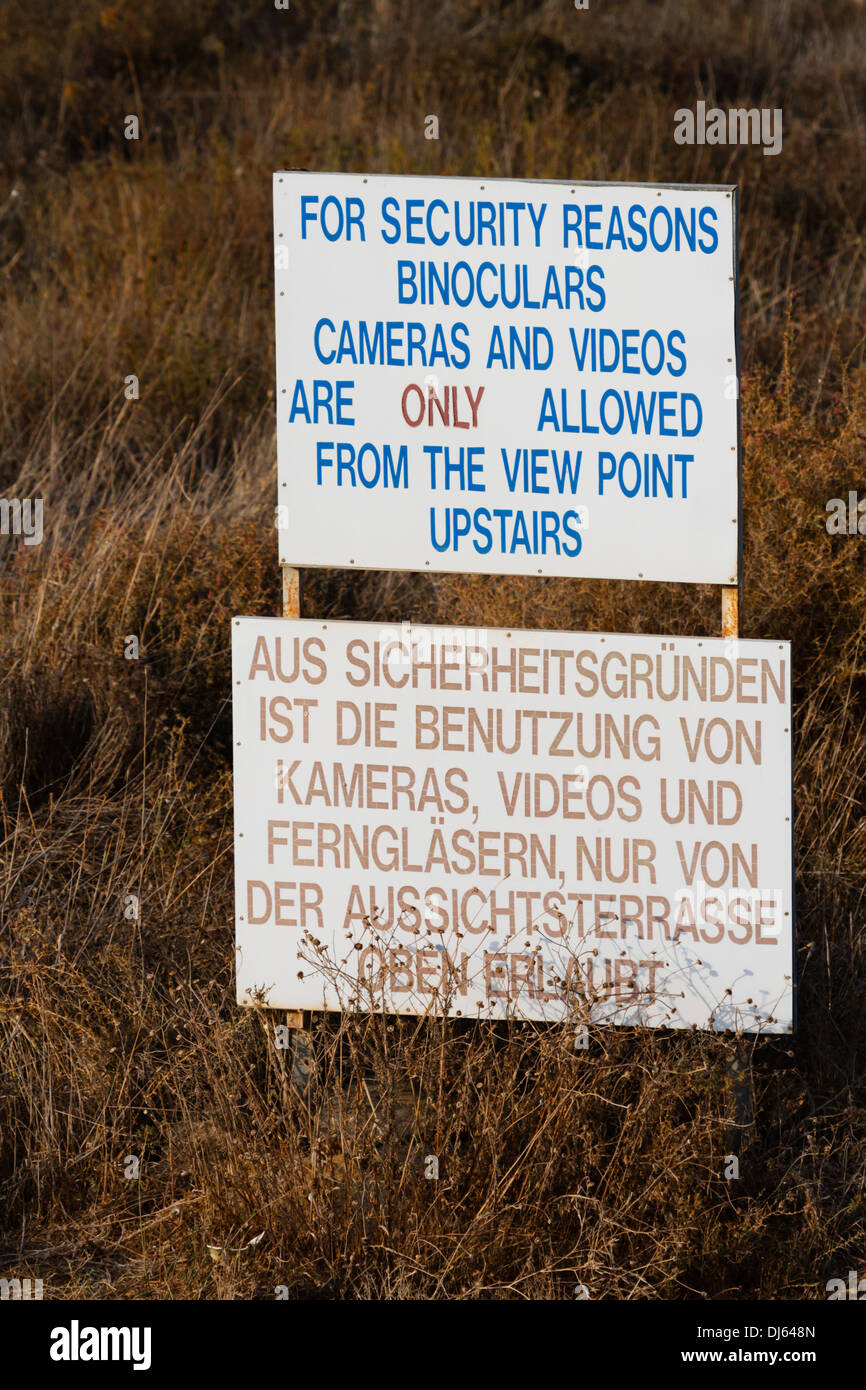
{"x": 548, "y": 824}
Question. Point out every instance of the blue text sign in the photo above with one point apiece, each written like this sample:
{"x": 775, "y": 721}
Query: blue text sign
{"x": 507, "y": 377}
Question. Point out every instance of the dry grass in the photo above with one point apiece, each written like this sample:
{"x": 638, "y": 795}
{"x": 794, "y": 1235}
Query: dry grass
{"x": 121, "y": 1038}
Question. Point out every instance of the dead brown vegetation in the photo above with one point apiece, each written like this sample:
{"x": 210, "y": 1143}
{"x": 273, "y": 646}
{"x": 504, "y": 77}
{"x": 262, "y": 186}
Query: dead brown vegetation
{"x": 120, "y": 1038}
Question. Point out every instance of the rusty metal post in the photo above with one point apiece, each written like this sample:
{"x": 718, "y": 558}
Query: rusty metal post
{"x": 740, "y": 1092}
{"x": 291, "y": 592}
{"x": 730, "y": 612}
{"x": 303, "y": 1054}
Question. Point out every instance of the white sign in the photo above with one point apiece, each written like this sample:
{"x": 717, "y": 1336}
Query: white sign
{"x": 544, "y": 824}
{"x": 507, "y": 377}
